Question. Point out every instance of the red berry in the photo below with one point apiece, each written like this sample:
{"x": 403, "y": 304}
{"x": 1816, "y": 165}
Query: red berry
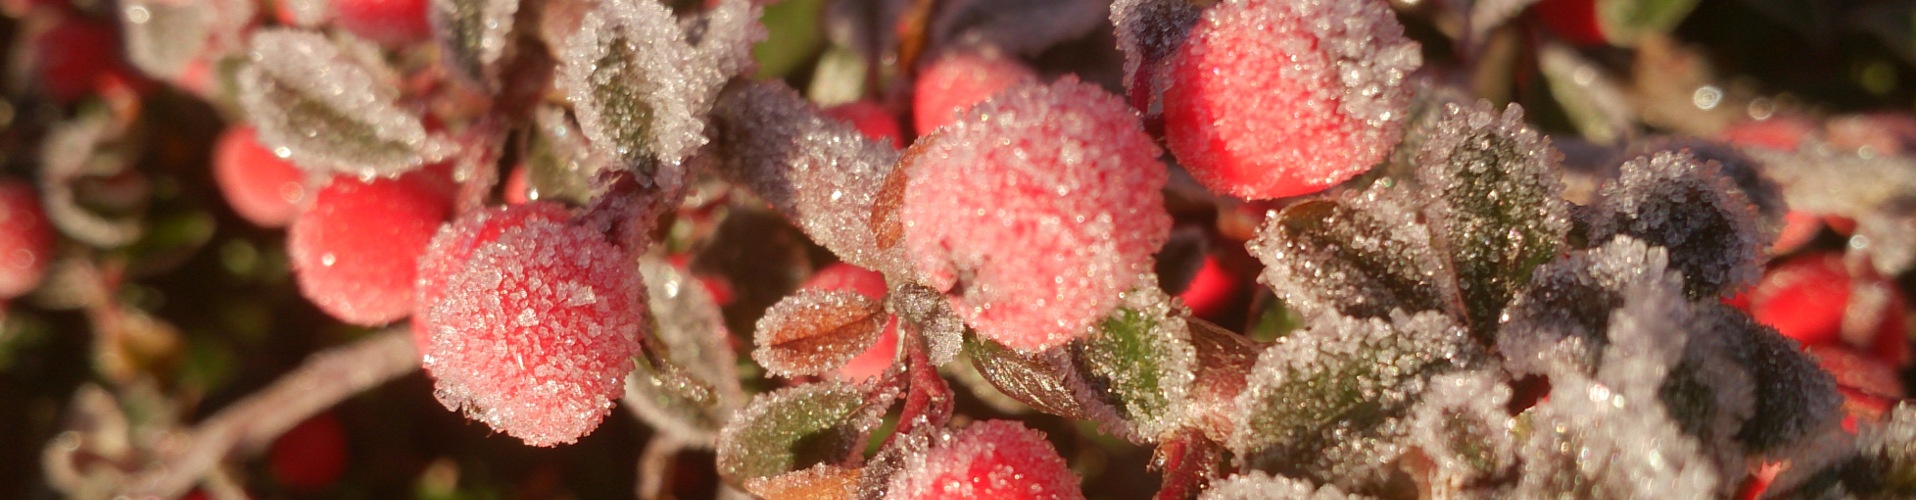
{"x": 871, "y": 120}
{"x": 1806, "y": 299}
{"x": 310, "y": 456}
{"x": 537, "y": 332}
{"x": 884, "y": 351}
{"x": 993, "y": 459}
{"x": 956, "y": 82}
{"x": 26, "y": 240}
{"x": 261, "y": 187}
{"x": 1273, "y": 98}
{"x": 1783, "y": 133}
{"x": 1574, "y": 20}
{"x": 1210, "y": 291}
{"x": 1036, "y": 210}
{"x": 389, "y": 22}
{"x": 453, "y": 246}
{"x": 79, "y": 58}
{"x": 1798, "y": 228}
{"x": 355, "y": 252}
{"x": 518, "y": 185}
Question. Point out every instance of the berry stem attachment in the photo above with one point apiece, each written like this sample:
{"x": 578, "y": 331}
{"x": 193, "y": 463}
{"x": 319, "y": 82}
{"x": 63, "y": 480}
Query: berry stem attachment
{"x": 929, "y": 401}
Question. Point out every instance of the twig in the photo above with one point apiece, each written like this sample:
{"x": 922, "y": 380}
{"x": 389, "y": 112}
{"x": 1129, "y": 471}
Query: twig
{"x": 250, "y": 424}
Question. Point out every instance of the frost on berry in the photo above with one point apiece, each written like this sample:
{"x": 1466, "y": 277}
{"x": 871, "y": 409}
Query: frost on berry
{"x": 822, "y": 482}
{"x": 327, "y": 112}
{"x": 162, "y": 37}
{"x": 821, "y": 173}
{"x": 626, "y": 71}
{"x": 355, "y": 252}
{"x": 871, "y": 119}
{"x": 1461, "y": 424}
{"x": 1592, "y": 440}
{"x": 303, "y": 13}
{"x": 989, "y": 459}
{"x": 797, "y": 428}
{"x": 1357, "y": 254}
{"x": 1280, "y": 98}
{"x": 1674, "y": 201}
{"x": 815, "y": 331}
{"x": 1560, "y": 322}
{"x": 261, "y": 187}
{"x": 1330, "y": 403}
{"x": 693, "y": 390}
{"x": 473, "y": 35}
{"x": 1141, "y": 357}
{"x": 1062, "y": 172}
{"x": 453, "y": 246}
{"x": 26, "y": 240}
{"x": 536, "y": 335}
{"x": 952, "y": 84}
{"x": 1496, "y": 205}
{"x": 1257, "y": 485}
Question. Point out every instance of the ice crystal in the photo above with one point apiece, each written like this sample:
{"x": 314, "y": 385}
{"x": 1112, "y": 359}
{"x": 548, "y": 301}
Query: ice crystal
{"x": 321, "y": 108}
{"x": 1694, "y": 209}
{"x": 816, "y": 331}
{"x": 1358, "y": 254}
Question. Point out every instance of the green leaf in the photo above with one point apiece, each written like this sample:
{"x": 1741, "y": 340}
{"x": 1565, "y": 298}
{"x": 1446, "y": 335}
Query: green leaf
{"x": 793, "y": 38}
{"x": 796, "y": 428}
{"x": 1329, "y": 403}
{"x": 1043, "y": 380}
{"x": 327, "y": 110}
{"x": 691, "y": 389}
{"x": 1496, "y": 204}
{"x": 1142, "y": 360}
{"x": 1625, "y": 22}
{"x": 1360, "y": 254}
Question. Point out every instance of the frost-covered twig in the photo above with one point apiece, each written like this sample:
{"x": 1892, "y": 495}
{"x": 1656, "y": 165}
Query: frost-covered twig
{"x": 324, "y": 380}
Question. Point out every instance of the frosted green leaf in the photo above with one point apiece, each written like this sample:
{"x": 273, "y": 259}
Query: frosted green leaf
{"x": 324, "y": 110}
{"x": 625, "y": 70}
{"x": 1330, "y": 403}
{"x": 1496, "y": 206}
{"x": 1560, "y": 322}
{"x": 693, "y": 394}
{"x": 1360, "y": 255}
{"x": 473, "y": 35}
{"x": 163, "y": 37}
{"x": 1695, "y": 210}
{"x": 1141, "y": 358}
{"x": 561, "y": 164}
{"x": 796, "y": 428}
{"x": 1461, "y": 424}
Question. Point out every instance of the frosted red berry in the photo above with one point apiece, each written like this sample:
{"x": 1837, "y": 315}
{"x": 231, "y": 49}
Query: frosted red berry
{"x": 260, "y": 186}
{"x": 388, "y": 22}
{"x": 355, "y": 251}
{"x": 956, "y": 82}
{"x": 871, "y": 284}
{"x": 993, "y": 459}
{"x": 1274, "y": 98}
{"x": 311, "y": 456}
{"x": 1806, "y": 299}
{"x": 536, "y": 334}
{"x": 871, "y": 119}
{"x": 1036, "y": 210}
{"x": 453, "y": 247}
{"x": 26, "y": 240}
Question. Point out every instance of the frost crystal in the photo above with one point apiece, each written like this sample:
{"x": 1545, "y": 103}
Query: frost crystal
{"x": 815, "y": 331}
{"x": 1591, "y": 440}
{"x": 1496, "y": 205}
{"x": 1149, "y": 32}
{"x": 936, "y": 321}
{"x": 1062, "y": 172}
{"x": 162, "y": 37}
{"x": 1330, "y": 403}
{"x": 325, "y": 111}
{"x": 1141, "y": 354}
{"x": 797, "y": 428}
{"x": 821, "y": 173}
{"x": 1461, "y": 425}
{"x": 1793, "y": 396}
{"x": 1889, "y": 454}
{"x": 694, "y": 397}
{"x": 536, "y": 335}
{"x": 1878, "y": 191}
{"x": 951, "y": 85}
{"x": 1560, "y": 322}
{"x": 473, "y": 34}
{"x": 989, "y": 459}
{"x": 453, "y": 246}
{"x": 1277, "y": 98}
{"x": 1255, "y": 485}
{"x": 1694, "y": 209}
{"x": 1750, "y": 178}
{"x": 1361, "y": 254}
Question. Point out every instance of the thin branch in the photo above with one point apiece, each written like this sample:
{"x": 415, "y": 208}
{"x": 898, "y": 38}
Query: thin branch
{"x": 250, "y": 424}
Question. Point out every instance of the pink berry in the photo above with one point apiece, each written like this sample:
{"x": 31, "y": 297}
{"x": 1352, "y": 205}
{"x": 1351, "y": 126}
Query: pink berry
{"x": 356, "y": 250}
{"x": 956, "y": 82}
{"x": 993, "y": 459}
{"x": 261, "y": 187}
{"x": 453, "y": 247}
{"x": 389, "y": 22}
{"x": 884, "y": 351}
{"x": 871, "y": 120}
{"x": 1273, "y": 98}
{"x": 26, "y": 240}
{"x": 536, "y": 334}
{"x": 1036, "y": 210}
